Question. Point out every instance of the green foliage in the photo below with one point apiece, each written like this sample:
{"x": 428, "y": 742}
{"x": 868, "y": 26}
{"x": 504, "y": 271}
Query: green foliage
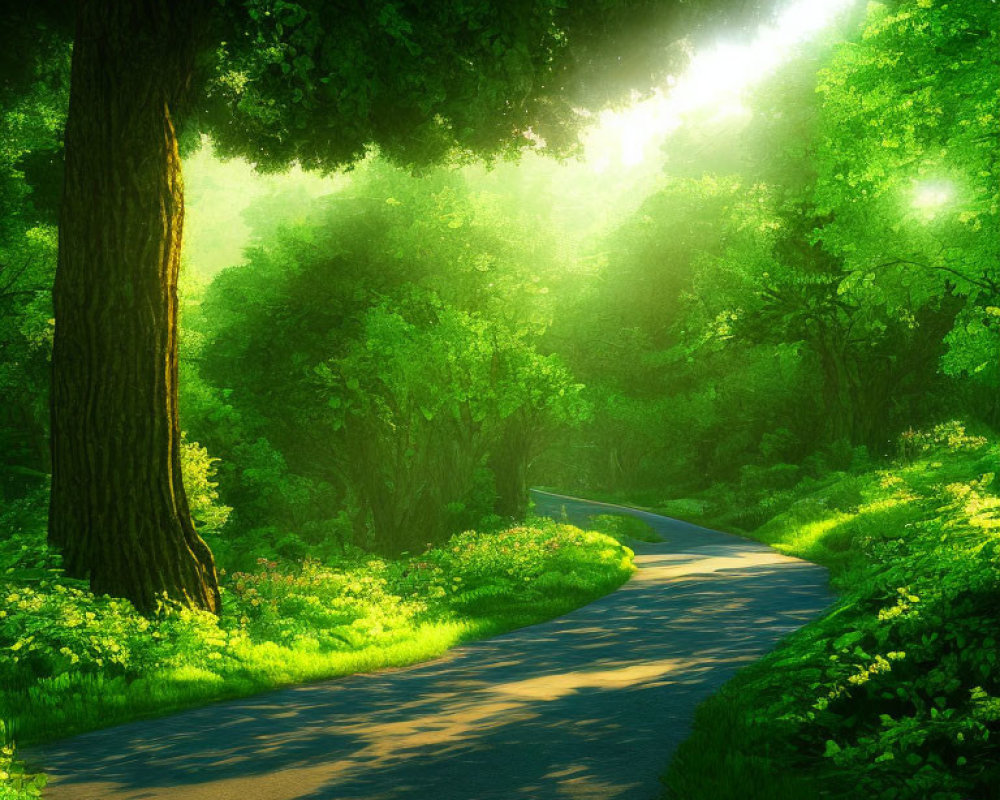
{"x": 74, "y": 660}
{"x": 304, "y": 81}
{"x": 894, "y": 694}
{"x": 684, "y": 508}
{"x": 396, "y": 361}
{"x": 94, "y": 636}
{"x": 624, "y": 527}
{"x": 815, "y": 278}
{"x": 319, "y": 607}
{"x": 30, "y": 140}
{"x": 951, "y": 436}
{"x": 420, "y": 399}
{"x": 16, "y": 783}
{"x": 199, "y": 469}
{"x": 908, "y": 172}
{"x": 509, "y": 575}
{"x": 373, "y": 377}
{"x": 420, "y": 82}
{"x": 524, "y": 568}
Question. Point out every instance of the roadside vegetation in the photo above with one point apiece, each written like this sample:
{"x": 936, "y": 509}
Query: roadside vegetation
{"x": 624, "y": 528}
{"x": 756, "y": 313}
{"x": 896, "y": 692}
{"x": 77, "y": 662}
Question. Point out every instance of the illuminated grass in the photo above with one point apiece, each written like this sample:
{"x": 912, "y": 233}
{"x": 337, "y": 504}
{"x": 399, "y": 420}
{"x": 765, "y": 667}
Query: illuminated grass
{"x": 71, "y": 703}
{"x": 895, "y": 692}
{"x": 376, "y": 614}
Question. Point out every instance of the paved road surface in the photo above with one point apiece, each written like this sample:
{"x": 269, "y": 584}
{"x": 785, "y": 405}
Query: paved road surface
{"x": 587, "y": 706}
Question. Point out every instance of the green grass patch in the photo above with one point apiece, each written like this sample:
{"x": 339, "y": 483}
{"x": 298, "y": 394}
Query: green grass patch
{"x": 74, "y": 662}
{"x": 895, "y": 694}
{"x": 624, "y": 528}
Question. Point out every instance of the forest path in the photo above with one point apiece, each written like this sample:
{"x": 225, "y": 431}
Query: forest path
{"x": 589, "y": 705}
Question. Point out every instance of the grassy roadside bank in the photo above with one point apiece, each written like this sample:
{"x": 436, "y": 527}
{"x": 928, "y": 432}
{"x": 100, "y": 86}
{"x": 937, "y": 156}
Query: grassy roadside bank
{"x": 74, "y": 662}
{"x": 896, "y": 693}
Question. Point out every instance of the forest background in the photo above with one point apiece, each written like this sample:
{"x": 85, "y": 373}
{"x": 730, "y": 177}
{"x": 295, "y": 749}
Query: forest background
{"x": 780, "y": 318}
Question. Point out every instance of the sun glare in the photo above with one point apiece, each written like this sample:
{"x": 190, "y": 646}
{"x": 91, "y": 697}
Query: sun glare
{"x": 929, "y": 197}
{"x": 716, "y": 79}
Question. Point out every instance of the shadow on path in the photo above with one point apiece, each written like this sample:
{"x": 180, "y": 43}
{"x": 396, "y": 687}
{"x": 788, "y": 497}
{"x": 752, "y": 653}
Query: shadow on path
{"x": 589, "y": 705}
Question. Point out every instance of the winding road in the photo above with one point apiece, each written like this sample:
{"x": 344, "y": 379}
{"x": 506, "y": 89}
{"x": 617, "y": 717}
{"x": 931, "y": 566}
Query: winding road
{"x": 589, "y": 705}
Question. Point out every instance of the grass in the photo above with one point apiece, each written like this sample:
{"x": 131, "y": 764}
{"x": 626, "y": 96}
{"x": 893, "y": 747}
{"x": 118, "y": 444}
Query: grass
{"x": 76, "y": 662}
{"x": 895, "y": 694}
{"x": 624, "y": 528}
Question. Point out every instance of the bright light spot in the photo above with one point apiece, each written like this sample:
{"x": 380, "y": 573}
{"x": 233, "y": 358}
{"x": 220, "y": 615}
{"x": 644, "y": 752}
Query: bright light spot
{"x": 715, "y": 79}
{"x": 931, "y": 196}
{"x": 216, "y": 195}
{"x": 733, "y": 109}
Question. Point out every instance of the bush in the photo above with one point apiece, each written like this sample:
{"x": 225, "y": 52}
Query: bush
{"x": 684, "y": 508}
{"x": 896, "y": 693}
{"x": 624, "y": 527}
{"x": 528, "y": 566}
{"x": 331, "y": 608}
{"x": 77, "y": 661}
{"x": 948, "y": 436}
{"x": 198, "y": 469}
{"x": 754, "y": 479}
{"x": 16, "y": 783}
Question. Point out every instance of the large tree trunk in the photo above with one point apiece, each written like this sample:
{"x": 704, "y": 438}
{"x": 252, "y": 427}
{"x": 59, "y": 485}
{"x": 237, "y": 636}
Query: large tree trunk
{"x": 118, "y": 506}
{"x": 509, "y": 462}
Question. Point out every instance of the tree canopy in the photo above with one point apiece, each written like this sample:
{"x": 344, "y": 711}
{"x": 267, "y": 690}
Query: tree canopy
{"x": 278, "y": 82}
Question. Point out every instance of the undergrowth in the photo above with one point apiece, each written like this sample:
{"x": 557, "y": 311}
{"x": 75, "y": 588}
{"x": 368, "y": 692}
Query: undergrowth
{"x": 895, "y": 694}
{"x": 624, "y": 527}
{"x": 74, "y": 661}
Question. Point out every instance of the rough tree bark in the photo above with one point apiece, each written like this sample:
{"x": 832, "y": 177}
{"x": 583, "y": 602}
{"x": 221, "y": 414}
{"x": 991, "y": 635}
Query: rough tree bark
{"x": 118, "y": 507}
{"x": 510, "y": 468}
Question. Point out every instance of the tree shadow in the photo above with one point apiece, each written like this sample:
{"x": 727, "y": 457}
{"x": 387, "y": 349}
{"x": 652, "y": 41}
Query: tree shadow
{"x": 588, "y": 705}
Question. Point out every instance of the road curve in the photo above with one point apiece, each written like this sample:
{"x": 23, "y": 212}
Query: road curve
{"x": 587, "y": 706}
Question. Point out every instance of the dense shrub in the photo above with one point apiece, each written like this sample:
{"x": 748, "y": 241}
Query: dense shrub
{"x": 74, "y": 660}
{"x": 322, "y": 607}
{"x": 16, "y": 783}
{"x": 624, "y": 527}
{"x": 896, "y": 693}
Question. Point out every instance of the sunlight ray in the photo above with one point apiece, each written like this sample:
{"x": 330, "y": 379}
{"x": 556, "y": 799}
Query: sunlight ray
{"x": 716, "y": 78}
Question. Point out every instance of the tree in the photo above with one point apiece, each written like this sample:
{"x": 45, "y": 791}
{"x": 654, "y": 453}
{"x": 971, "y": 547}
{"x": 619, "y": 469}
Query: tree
{"x": 908, "y": 174}
{"x": 276, "y": 81}
{"x": 423, "y": 400}
{"x": 790, "y": 254}
{"x": 421, "y": 301}
{"x": 118, "y": 507}
{"x": 30, "y": 130}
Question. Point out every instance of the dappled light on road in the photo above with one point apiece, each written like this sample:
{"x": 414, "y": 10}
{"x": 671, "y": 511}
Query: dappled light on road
{"x": 589, "y": 705}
